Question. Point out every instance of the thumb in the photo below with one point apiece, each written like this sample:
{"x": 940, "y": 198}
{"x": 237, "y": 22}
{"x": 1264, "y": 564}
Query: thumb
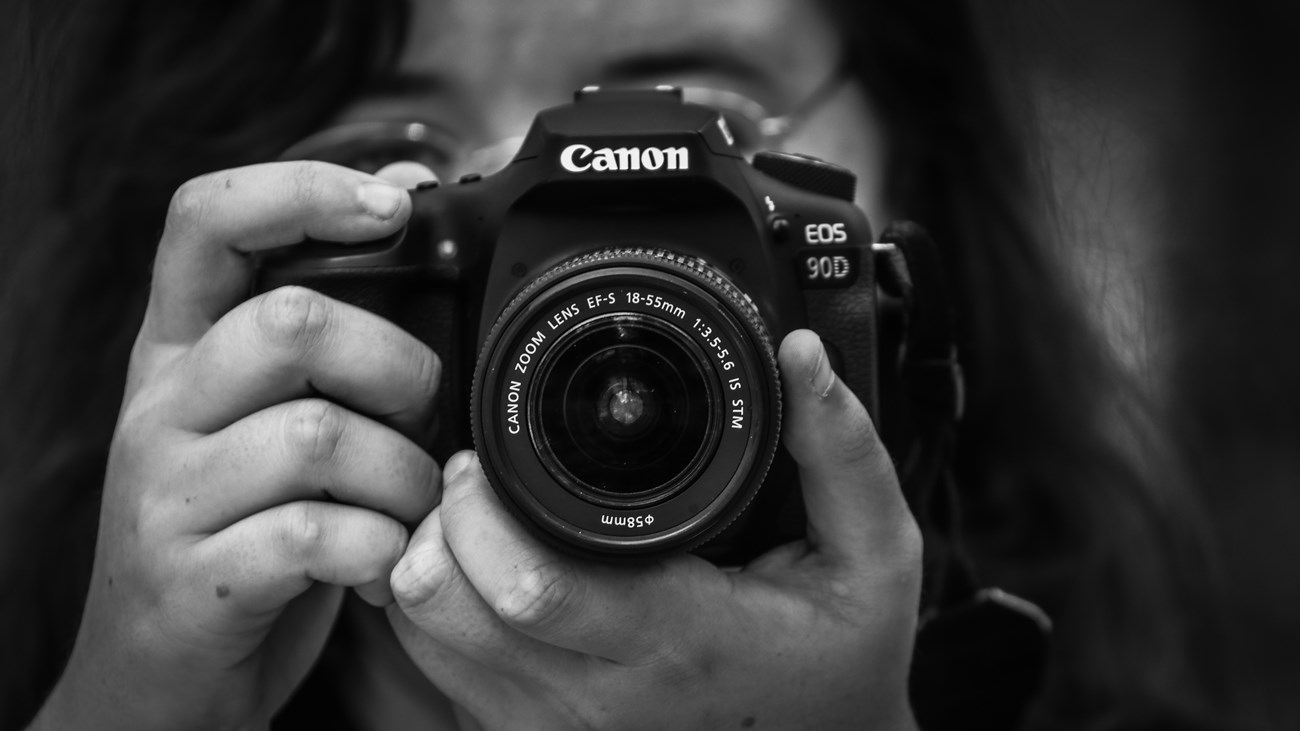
{"x": 856, "y": 509}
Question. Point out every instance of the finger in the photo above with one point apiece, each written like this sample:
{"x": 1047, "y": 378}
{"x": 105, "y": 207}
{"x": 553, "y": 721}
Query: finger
{"x": 492, "y": 694}
{"x": 629, "y": 614}
{"x": 214, "y": 220}
{"x": 262, "y": 562}
{"x": 855, "y": 506}
{"x": 433, "y": 593}
{"x": 294, "y": 342}
{"x": 309, "y": 450}
{"x": 406, "y": 173}
{"x": 494, "y": 157}
{"x": 376, "y": 593}
{"x": 453, "y": 673}
{"x": 306, "y": 621}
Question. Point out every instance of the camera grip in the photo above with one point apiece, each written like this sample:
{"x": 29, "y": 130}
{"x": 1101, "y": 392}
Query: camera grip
{"x": 845, "y": 320}
{"x": 405, "y": 296}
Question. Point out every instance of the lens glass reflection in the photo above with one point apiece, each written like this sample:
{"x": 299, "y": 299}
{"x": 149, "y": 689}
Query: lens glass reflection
{"x": 626, "y": 409}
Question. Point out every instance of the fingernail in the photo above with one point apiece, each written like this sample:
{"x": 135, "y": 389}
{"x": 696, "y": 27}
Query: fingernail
{"x": 458, "y": 463}
{"x": 822, "y": 379}
{"x": 381, "y": 200}
{"x": 420, "y": 575}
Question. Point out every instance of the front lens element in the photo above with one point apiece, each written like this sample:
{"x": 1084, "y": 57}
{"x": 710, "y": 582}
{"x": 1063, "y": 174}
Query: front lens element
{"x": 626, "y": 410}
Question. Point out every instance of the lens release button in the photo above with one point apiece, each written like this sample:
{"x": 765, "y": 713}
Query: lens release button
{"x": 780, "y": 228}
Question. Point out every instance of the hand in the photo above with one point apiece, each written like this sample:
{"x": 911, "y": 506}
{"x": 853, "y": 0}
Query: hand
{"x": 816, "y": 634}
{"x": 264, "y": 457}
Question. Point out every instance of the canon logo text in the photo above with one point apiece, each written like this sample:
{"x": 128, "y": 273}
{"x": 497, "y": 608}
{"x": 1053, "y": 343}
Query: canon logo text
{"x": 581, "y": 158}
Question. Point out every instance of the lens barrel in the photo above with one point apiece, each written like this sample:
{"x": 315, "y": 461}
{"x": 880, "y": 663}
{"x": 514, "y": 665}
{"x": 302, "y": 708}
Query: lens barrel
{"x": 627, "y": 403}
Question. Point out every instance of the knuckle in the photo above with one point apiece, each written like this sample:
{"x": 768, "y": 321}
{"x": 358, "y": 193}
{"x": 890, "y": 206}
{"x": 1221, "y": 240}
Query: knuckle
{"x": 190, "y": 202}
{"x": 142, "y": 463}
{"x": 424, "y": 479}
{"x": 152, "y": 403}
{"x": 308, "y": 183}
{"x": 299, "y": 532}
{"x": 428, "y": 369}
{"x": 858, "y": 443}
{"x": 154, "y": 516}
{"x": 315, "y": 430}
{"x": 541, "y": 596}
{"x": 293, "y": 318}
{"x": 134, "y": 435}
{"x": 910, "y": 546}
{"x": 421, "y": 576}
{"x": 583, "y": 715}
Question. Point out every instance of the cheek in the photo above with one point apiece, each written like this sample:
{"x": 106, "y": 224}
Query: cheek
{"x": 848, "y": 132}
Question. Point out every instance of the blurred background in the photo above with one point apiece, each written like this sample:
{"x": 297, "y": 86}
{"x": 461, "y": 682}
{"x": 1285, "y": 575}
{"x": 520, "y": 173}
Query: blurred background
{"x": 1170, "y": 133}
{"x": 1172, "y": 136}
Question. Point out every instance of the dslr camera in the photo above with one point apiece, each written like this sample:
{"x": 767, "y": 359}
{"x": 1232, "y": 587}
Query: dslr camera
{"x": 607, "y": 309}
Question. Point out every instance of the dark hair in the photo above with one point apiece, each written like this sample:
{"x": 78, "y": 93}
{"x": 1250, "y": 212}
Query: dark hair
{"x": 1069, "y": 496}
{"x": 158, "y": 93}
{"x": 1235, "y": 368}
{"x": 162, "y": 92}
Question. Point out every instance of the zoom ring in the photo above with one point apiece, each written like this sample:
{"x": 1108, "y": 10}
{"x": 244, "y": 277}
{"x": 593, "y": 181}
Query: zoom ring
{"x": 694, "y": 267}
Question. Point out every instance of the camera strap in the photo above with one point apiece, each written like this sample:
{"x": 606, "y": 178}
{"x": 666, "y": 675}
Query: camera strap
{"x": 980, "y": 652}
{"x": 924, "y": 400}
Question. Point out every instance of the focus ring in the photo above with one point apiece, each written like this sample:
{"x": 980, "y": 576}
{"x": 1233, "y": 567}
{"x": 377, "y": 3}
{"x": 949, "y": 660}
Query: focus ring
{"x": 692, "y": 266}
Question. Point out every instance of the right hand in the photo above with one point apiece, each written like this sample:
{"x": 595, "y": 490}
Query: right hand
{"x": 265, "y": 457}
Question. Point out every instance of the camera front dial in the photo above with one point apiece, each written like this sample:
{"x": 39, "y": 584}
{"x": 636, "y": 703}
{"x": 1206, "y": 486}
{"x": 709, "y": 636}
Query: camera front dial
{"x": 627, "y": 403}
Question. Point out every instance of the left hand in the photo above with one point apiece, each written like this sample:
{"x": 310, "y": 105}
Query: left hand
{"x": 814, "y": 634}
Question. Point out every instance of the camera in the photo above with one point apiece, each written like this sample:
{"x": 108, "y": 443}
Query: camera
{"x": 607, "y": 309}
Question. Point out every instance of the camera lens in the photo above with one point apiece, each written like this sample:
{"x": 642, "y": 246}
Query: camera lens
{"x": 625, "y": 413}
{"x": 626, "y": 403}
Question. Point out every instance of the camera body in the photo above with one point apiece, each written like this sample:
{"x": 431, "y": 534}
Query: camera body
{"x": 607, "y": 309}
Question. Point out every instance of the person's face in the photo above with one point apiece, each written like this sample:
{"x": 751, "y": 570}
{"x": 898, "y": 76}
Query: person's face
{"x": 479, "y": 70}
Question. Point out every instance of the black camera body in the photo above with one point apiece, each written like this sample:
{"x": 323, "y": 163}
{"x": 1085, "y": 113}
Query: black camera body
{"x": 607, "y": 309}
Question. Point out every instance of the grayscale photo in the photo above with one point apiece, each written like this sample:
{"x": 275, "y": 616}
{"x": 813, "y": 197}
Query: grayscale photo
{"x": 688, "y": 365}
